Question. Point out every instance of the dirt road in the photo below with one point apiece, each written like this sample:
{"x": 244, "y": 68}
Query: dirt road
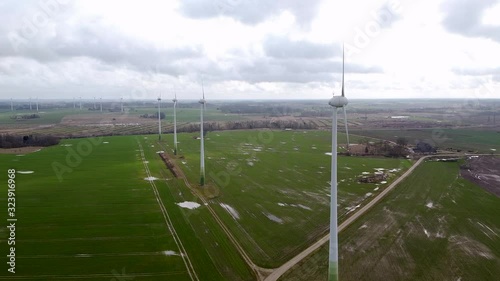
{"x": 289, "y": 264}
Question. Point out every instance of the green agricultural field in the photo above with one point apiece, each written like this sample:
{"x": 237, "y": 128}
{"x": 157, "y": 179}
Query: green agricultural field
{"x": 47, "y": 116}
{"x": 464, "y": 139}
{"x": 102, "y": 220}
{"x": 434, "y": 226}
{"x": 271, "y": 188}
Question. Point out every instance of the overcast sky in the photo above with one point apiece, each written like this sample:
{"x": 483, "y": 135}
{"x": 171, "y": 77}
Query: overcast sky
{"x": 246, "y": 49}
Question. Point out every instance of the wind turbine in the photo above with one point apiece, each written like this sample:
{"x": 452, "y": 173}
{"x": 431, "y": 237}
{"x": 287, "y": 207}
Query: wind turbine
{"x": 159, "y": 120}
{"x": 175, "y": 123}
{"x": 36, "y": 104}
{"x": 30, "y": 104}
{"x": 74, "y": 103}
{"x": 80, "y": 103}
{"x": 202, "y": 148}
{"x": 11, "y": 105}
{"x": 100, "y": 102}
{"x": 336, "y": 102}
{"x": 121, "y": 104}
{"x": 94, "y": 104}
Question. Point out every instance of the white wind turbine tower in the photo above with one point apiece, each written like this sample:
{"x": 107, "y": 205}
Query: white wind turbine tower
{"x": 336, "y": 102}
{"x": 30, "y": 104}
{"x": 11, "y": 105}
{"x": 121, "y": 104}
{"x": 36, "y": 104}
{"x": 159, "y": 119}
{"x": 100, "y": 102}
{"x": 202, "y": 145}
{"x": 74, "y": 103}
{"x": 80, "y": 103}
{"x": 175, "y": 123}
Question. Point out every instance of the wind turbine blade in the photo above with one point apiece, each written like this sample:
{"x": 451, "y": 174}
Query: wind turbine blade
{"x": 346, "y": 130}
{"x": 343, "y": 58}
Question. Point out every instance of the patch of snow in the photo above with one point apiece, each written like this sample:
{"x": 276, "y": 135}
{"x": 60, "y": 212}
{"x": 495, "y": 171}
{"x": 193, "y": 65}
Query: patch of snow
{"x": 146, "y": 162}
{"x": 19, "y": 155}
{"x": 188, "y": 205}
{"x": 161, "y": 151}
{"x": 231, "y": 211}
{"x": 347, "y": 168}
{"x": 273, "y": 218}
{"x": 304, "y": 207}
{"x": 184, "y": 162}
{"x": 430, "y": 205}
{"x": 328, "y": 153}
{"x": 427, "y": 233}
{"x": 363, "y": 226}
{"x": 257, "y": 149}
{"x": 250, "y": 163}
{"x": 376, "y": 189}
{"x": 150, "y": 178}
{"x": 282, "y": 204}
{"x": 105, "y": 142}
{"x": 24, "y": 172}
{"x": 493, "y": 149}
{"x": 368, "y": 194}
{"x": 314, "y": 147}
{"x": 67, "y": 144}
{"x": 83, "y": 255}
{"x": 383, "y": 182}
{"x": 170, "y": 253}
{"x": 365, "y": 173}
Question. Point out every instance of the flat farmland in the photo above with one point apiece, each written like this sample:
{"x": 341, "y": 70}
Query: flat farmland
{"x": 434, "y": 226}
{"x": 100, "y": 219}
{"x": 271, "y": 188}
{"x": 464, "y": 139}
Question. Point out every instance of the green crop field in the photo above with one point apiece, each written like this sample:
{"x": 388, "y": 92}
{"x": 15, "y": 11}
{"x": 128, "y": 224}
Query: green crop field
{"x": 272, "y": 188}
{"x": 100, "y": 220}
{"x": 464, "y": 139}
{"x": 434, "y": 226}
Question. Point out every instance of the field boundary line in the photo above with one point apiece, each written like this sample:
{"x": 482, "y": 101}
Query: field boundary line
{"x": 177, "y": 240}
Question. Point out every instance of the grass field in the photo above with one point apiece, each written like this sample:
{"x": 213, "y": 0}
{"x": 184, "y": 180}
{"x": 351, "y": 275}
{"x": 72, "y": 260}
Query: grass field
{"x": 464, "y": 139}
{"x": 103, "y": 221}
{"x": 434, "y": 226}
{"x": 272, "y": 187}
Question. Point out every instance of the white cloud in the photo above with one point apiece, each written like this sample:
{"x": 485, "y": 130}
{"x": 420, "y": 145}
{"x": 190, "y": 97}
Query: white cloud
{"x": 248, "y": 49}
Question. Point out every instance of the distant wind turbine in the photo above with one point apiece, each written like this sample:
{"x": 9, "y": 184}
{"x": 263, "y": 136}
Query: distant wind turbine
{"x": 175, "y": 123}
{"x": 336, "y": 102}
{"x": 94, "y": 104}
{"x": 159, "y": 119}
{"x": 80, "y": 103}
{"x": 36, "y": 104}
{"x": 30, "y": 104}
{"x": 100, "y": 102}
{"x": 121, "y": 104}
{"x": 202, "y": 145}
{"x": 11, "y": 105}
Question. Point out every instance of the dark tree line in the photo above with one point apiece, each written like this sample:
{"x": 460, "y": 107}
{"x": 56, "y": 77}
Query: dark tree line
{"x": 12, "y": 141}
{"x": 25, "y": 116}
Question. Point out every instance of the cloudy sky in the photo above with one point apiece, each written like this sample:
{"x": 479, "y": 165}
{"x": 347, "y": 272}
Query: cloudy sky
{"x": 246, "y": 49}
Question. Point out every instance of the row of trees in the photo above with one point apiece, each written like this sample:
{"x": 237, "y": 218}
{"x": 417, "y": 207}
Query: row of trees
{"x": 25, "y": 116}
{"x": 12, "y": 141}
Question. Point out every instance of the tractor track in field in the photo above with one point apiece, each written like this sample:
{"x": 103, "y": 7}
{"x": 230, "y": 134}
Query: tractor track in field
{"x": 259, "y": 271}
{"x": 177, "y": 240}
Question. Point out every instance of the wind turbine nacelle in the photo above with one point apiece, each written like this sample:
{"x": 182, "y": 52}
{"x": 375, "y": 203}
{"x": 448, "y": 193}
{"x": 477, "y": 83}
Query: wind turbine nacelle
{"x": 338, "y": 101}
{"x": 202, "y": 101}
{"x": 174, "y": 100}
